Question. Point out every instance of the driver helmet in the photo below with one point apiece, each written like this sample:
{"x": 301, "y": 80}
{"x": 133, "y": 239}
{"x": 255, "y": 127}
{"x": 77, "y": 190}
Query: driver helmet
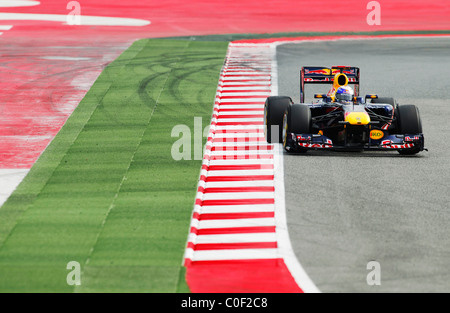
{"x": 344, "y": 94}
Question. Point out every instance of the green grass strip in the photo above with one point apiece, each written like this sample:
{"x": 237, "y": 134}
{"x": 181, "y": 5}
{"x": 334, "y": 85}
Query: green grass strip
{"x": 107, "y": 192}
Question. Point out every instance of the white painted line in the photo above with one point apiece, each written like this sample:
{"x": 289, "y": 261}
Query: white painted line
{"x": 250, "y": 183}
{"x": 228, "y": 154}
{"x": 245, "y": 73}
{"x": 235, "y": 254}
{"x": 230, "y": 128}
{"x": 17, "y": 3}
{"x": 236, "y": 78}
{"x": 238, "y": 143}
{"x": 238, "y": 195}
{"x": 9, "y": 180}
{"x": 243, "y": 84}
{"x": 85, "y": 19}
{"x": 240, "y": 222}
{"x": 262, "y": 100}
{"x": 241, "y": 162}
{"x": 256, "y": 93}
{"x": 234, "y": 238}
{"x": 241, "y": 136}
{"x": 250, "y": 88}
{"x": 240, "y": 173}
{"x": 5, "y": 27}
{"x": 223, "y": 114}
{"x": 244, "y": 119}
{"x": 284, "y": 241}
{"x": 237, "y": 208}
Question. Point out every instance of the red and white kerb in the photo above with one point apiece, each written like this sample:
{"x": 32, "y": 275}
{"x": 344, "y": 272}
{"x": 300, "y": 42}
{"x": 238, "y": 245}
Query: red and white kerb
{"x": 238, "y": 238}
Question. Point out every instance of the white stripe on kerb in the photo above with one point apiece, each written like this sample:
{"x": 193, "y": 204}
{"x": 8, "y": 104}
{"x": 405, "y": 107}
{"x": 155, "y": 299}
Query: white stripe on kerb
{"x": 238, "y": 195}
{"x": 237, "y": 208}
{"x": 235, "y": 238}
{"x": 239, "y": 222}
{"x": 235, "y": 254}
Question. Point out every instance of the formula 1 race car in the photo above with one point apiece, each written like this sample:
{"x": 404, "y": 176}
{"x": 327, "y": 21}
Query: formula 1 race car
{"x": 341, "y": 119}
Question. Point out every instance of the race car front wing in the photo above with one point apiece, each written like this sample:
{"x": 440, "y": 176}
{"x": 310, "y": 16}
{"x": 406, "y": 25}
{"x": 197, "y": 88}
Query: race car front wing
{"x": 295, "y": 142}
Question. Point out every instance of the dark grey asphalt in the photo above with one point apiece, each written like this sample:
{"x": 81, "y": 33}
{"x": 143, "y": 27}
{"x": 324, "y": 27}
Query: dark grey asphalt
{"x": 347, "y": 209}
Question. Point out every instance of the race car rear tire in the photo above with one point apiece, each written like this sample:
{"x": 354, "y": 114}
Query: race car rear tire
{"x": 274, "y": 109}
{"x": 409, "y": 123}
{"x": 297, "y": 119}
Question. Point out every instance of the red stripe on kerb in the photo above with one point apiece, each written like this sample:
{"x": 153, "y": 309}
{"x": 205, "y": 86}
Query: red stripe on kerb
{"x": 243, "y": 97}
{"x": 236, "y": 202}
{"x": 233, "y": 230}
{"x": 236, "y": 189}
{"x": 237, "y": 178}
{"x": 245, "y": 80}
{"x": 240, "y": 167}
{"x": 246, "y": 75}
{"x": 240, "y": 68}
{"x": 239, "y": 123}
{"x": 247, "y": 91}
{"x": 240, "y": 276}
{"x": 231, "y": 216}
{"x": 245, "y": 85}
{"x": 238, "y": 245}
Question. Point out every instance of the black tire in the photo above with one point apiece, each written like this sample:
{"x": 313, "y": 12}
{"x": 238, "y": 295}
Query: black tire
{"x": 387, "y": 100}
{"x": 274, "y": 109}
{"x": 409, "y": 119}
{"x": 409, "y": 123}
{"x": 394, "y": 104}
{"x": 297, "y": 119}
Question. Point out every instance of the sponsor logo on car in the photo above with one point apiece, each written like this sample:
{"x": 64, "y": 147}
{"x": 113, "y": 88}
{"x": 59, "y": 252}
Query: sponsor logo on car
{"x": 376, "y": 134}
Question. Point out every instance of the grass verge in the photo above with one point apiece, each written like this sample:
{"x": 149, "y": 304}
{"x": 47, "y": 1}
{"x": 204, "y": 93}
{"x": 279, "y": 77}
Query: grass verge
{"x": 107, "y": 193}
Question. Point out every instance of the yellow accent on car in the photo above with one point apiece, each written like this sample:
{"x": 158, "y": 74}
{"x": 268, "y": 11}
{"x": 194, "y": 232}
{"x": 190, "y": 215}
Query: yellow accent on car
{"x": 376, "y": 134}
{"x": 339, "y": 80}
{"x": 357, "y": 118}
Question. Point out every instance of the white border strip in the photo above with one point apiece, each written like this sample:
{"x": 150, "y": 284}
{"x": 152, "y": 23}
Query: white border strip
{"x": 284, "y": 242}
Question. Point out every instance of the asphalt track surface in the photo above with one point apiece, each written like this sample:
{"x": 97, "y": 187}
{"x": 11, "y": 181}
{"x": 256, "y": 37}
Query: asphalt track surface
{"x": 347, "y": 209}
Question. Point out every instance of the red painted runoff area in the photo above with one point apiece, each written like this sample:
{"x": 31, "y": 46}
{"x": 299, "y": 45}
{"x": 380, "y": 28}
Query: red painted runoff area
{"x": 266, "y": 276}
{"x": 202, "y": 17}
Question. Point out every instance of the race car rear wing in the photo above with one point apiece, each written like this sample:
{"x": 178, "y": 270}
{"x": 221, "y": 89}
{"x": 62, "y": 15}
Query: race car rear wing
{"x": 325, "y": 75}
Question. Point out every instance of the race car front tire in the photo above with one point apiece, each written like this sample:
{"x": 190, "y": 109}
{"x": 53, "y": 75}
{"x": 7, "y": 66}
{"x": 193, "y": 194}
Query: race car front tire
{"x": 393, "y": 102}
{"x": 274, "y": 109}
{"x": 297, "y": 120}
{"x": 409, "y": 123}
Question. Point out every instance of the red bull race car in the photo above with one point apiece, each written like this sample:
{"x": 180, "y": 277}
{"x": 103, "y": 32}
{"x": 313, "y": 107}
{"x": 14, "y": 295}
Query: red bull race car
{"x": 341, "y": 119}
